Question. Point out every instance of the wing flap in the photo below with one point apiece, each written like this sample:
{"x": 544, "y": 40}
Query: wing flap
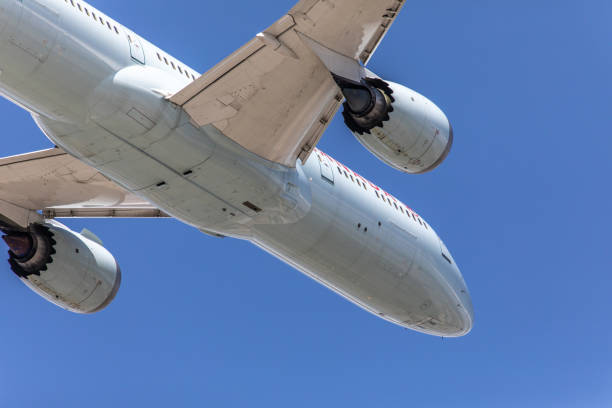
{"x": 275, "y": 96}
{"x": 271, "y": 102}
{"x": 58, "y": 184}
{"x": 105, "y": 212}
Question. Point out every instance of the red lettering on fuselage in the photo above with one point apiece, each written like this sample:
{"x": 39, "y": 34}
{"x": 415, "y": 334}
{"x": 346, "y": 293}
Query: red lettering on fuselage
{"x": 375, "y": 187}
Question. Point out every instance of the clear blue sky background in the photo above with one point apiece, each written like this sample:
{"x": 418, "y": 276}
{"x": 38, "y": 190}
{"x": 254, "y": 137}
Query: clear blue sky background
{"x": 523, "y": 202}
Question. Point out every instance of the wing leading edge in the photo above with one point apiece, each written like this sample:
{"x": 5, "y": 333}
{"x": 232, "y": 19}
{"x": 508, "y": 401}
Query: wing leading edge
{"x": 275, "y": 96}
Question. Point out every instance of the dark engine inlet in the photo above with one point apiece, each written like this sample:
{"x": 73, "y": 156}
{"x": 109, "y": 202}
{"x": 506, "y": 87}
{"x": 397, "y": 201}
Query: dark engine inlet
{"x": 367, "y": 104}
{"x": 30, "y": 252}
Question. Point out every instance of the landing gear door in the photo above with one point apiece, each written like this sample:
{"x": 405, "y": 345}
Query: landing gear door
{"x": 327, "y": 172}
{"x": 136, "y": 49}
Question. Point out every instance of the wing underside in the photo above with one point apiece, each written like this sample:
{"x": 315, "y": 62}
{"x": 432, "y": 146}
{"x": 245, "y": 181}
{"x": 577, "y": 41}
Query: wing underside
{"x": 54, "y": 184}
{"x": 275, "y": 96}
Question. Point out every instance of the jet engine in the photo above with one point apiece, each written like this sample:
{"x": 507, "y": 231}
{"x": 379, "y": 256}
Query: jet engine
{"x": 398, "y": 125}
{"x": 73, "y": 271}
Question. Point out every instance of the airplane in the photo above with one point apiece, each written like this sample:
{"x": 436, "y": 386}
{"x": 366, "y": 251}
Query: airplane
{"x": 231, "y": 152}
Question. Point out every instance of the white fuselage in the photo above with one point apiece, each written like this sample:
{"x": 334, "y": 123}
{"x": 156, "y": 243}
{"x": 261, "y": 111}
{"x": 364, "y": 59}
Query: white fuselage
{"x": 98, "y": 91}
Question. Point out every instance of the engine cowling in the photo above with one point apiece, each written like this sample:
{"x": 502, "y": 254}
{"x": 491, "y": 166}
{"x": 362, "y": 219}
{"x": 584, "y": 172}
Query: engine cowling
{"x": 398, "y": 125}
{"x": 66, "y": 268}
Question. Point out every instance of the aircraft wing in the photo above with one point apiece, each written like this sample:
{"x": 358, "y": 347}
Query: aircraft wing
{"x": 275, "y": 96}
{"x": 59, "y": 185}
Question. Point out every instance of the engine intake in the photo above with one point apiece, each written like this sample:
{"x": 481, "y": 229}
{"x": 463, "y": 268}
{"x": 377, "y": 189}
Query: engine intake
{"x": 367, "y": 104}
{"x": 64, "y": 267}
{"x": 399, "y": 126}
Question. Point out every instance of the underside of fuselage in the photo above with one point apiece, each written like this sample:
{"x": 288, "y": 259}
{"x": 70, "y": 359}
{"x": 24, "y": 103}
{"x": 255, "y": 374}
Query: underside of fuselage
{"x": 93, "y": 97}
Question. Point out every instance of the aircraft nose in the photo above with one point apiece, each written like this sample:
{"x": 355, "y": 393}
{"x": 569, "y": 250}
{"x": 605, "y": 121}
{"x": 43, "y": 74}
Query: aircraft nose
{"x": 464, "y": 305}
{"x": 451, "y": 313}
{"x": 461, "y": 295}
{"x": 467, "y": 310}
{"x": 463, "y": 301}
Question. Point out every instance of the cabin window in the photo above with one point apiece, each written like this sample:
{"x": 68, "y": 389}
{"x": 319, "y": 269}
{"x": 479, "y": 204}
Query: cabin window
{"x": 447, "y": 258}
{"x": 402, "y": 209}
{"x": 94, "y": 15}
{"x": 108, "y": 25}
{"x": 116, "y": 30}
{"x": 364, "y": 187}
{"x": 180, "y": 69}
{"x": 101, "y": 20}
{"x": 87, "y": 11}
{"x": 420, "y": 221}
{"x": 413, "y": 217}
{"x": 79, "y": 7}
{"x": 166, "y": 61}
{"x": 358, "y": 183}
{"x": 339, "y": 171}
{"x": 377, "y": 196}
{"x": 193, "y": 77}
{"x": 159, "y": 56}
{"x": 352, "y": 179}
{"x": 396, "y": 206}
{"x": 172, "y": 63}
{"x": 345, "y": 175}
{"x": 72, "y": 2}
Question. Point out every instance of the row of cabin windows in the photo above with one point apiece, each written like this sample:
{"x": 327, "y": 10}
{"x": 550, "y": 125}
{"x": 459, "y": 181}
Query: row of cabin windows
{"x": 382, "y": 197}
{"x": 353, "y": 179}
{"x": 174, "y": 66}
{"x": 92, "y": 14}
{"x": 114, "y": 28}
{"x": 409, "y": 214}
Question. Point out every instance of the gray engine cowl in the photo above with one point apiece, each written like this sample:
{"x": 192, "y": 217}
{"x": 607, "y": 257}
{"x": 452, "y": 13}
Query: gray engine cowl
{"x": 399, "y": 126}
{"x": 68, "y": 269}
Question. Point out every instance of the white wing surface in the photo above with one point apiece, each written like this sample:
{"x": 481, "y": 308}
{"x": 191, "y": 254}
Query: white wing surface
{"x": 59, "y": 185}
{"x": 275, "y": 96}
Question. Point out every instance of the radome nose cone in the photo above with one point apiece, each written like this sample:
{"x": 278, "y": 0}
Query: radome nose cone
{"x": 469, "y": 321}
{"x": 466, "y": 309}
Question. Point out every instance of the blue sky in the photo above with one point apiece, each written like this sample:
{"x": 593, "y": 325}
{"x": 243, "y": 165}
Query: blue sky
{"x": 523, "y": 202}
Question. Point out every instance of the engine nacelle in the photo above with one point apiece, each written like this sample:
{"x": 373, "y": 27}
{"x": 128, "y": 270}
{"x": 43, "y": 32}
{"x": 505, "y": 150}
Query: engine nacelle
{"x": 64, "y": 267}
{"x": 398, "y": 125}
